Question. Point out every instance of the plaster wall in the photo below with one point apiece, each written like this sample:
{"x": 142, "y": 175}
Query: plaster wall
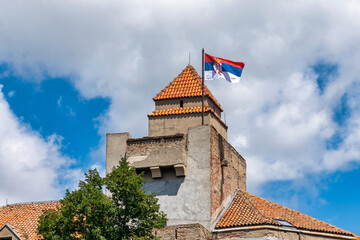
{"x": 115, "y": 149}
{"x": 169, "y": 184}
{"x": 191, "y": 201}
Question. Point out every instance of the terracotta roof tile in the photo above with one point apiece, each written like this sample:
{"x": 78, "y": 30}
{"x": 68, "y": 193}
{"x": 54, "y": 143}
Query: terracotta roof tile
{"x": 23, "y": 217}
{"x": 187, "y": 84}
{"x": 247, "y": 209}
{"x": 180, "y": 110}
{"x": 176, "y": 111}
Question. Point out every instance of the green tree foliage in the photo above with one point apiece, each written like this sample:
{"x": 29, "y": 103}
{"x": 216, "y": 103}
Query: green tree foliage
{"x": 87, "y": 213}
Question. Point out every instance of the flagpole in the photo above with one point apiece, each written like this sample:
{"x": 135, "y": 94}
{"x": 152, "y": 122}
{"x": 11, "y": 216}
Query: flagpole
{"x": 203, "y": 69}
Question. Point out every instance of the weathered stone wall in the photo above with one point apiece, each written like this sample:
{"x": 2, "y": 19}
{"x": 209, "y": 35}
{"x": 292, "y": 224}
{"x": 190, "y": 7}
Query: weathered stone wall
{"x": 274, "y": 234}
{"x": 211, "y": 175}
{"x": 174, "y": 124}
{"x": 228, "y": 171}
{"x": 169, "y": 125}
{"x": 115, "y": 149}
{"x": 184, "y": 232}
{"x": 198, "y": 232}
{"x": 156, "y": 151}
{"x": 186, "y": 200}
{"x": 219, "y": 126}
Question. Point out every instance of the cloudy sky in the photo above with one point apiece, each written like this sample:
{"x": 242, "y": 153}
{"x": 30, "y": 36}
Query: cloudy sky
{"x": 71, "y": 71}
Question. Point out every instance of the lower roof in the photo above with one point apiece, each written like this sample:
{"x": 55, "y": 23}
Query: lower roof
{"x": 247, "y": 209}
{"x": 23, "y": 218}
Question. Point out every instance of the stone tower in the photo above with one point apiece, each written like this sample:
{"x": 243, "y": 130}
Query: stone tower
{"x": 191, "y": 168}
{"x": 198, "y": 177}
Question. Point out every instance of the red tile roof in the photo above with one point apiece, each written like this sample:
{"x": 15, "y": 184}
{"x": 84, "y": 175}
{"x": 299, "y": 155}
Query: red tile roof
{"x": 247, "y": 209}
{"x": 23, "y": 217}
{"x": 180, "y": 110}
{"x": 187, "y": 84}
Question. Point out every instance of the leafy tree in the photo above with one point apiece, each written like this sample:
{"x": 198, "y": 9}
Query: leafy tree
{"x": 87, "y": 213}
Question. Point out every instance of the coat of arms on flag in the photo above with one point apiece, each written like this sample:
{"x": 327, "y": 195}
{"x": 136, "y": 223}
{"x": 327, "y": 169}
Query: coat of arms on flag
{"x": 217, "y": 66}
{"x": 222, "y": 68}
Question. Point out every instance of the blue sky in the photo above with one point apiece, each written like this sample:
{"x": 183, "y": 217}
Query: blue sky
{"x": 55, "y": 106}
{"x": 71, "y": 71}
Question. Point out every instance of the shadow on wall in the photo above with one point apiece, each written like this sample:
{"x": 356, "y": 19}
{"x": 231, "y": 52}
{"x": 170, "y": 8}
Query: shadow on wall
{"x": 160, "y": 187}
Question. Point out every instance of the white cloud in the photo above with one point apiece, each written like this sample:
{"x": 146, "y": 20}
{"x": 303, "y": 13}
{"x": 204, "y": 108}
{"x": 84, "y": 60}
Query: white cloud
{"x": 31, "y": 167}
{"x": 128, "y": 51}
{"x": 348, "y": 151}
{"x": 11, "y": 94}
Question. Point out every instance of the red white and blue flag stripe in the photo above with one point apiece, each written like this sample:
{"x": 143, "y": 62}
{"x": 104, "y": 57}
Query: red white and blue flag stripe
{"x": 222, "y": 68}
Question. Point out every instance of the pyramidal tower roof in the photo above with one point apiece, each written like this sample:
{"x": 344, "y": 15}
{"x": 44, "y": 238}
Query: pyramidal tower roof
{"x": 187, "y": 84}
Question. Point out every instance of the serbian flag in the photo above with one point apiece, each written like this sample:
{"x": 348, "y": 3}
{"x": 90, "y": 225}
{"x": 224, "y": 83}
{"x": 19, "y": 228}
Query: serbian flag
{"x": 222, "y": 68}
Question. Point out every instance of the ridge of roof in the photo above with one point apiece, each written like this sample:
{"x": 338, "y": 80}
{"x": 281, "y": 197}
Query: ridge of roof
{"x": 30, "y": 203}
{"x": 187, "y": 84}
{"x": 248, "y": 209}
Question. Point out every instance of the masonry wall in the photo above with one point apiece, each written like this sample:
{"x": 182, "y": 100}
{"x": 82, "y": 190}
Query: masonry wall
{"x": 186, "y": 200}
{"x": 169, "y": 125}
{"x": 215, "y": 122}
{"x": 116, "y": 144}
{"x": 274, "y": 234}
{"x": 184, "y": 232}
{"x": 214, "y": 170}
{"x": 228, "y": 171}
{"x": 157, "y": 151}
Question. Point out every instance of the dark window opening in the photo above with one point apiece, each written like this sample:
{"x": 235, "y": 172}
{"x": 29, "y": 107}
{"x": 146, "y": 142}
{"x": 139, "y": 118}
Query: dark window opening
{"x": 181, "y": 103}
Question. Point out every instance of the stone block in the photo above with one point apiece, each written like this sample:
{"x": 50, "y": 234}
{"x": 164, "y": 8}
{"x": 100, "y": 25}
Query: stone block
{"x": 180, "y": 170}
{"x": 155, "y": 172}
